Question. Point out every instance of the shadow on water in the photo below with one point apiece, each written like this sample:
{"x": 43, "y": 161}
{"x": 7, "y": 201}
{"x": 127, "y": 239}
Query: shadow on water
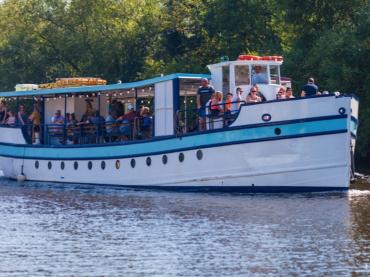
{"x": 82, "y": 229}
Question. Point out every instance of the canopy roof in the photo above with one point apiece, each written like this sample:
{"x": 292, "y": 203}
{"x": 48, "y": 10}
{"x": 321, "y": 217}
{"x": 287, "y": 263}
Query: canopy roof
{"x": 91, "y": 89}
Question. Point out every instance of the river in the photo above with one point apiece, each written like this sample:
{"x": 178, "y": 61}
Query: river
{"x": 75, "y": 230}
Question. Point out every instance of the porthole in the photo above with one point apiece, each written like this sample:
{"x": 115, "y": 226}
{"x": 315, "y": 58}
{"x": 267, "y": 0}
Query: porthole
{"x": 118, "y": 164}
{"x": 148, "y": 161}
{"x": 181, "y": 157}
{"x": 62, "y": 165}
{"x": 266, "y": 117}
{"x": 75, "y": 165}
{"x": 342, "y": 110}
{"x": 89, "y": 165}
{"x": 133, "y": 163}
{"x": 102, "y": 165}
{"x": 37, "y": 164}
{"x": 49, "y": 165}
{"x": 277, "y": 131}
{"x": 164, "y": 159}
{"x": 199, "y": 154}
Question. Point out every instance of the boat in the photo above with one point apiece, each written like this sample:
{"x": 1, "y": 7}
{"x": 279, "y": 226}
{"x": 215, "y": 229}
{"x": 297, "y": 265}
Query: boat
{"x": 296, "y": 144}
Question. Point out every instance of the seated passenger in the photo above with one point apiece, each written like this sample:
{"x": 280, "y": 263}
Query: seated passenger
{"x": 127, "y": 121}
{"x": 146, "y": 126}
{"x": 110, "y": 126}
{"x": 253, "y": 96}
{"x": 281, "y": 93}
{"x": 57, "y": 118}
{"x": 10, "y": 120}
{"x": 259, "y": 75}
{"x": 289, "y": 93}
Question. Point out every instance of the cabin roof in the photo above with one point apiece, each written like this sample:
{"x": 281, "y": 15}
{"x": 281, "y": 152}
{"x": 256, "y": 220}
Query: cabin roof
{"x": 90, "y": 89}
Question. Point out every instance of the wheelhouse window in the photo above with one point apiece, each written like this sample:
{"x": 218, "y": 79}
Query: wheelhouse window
{"x": 225, "y": 79}
{"x": 259, "y": 74}
{"x": 274, "y": 74}
{"x": 242, "y": 76}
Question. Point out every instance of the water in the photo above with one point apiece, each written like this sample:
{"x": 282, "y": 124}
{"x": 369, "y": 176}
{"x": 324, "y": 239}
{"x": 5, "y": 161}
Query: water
{"x": 72, "y": 230}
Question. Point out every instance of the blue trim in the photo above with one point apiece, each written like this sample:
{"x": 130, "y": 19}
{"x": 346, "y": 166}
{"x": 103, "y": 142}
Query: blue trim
{"x": 90, "y": 89}
{"x": 160, "y": 138}
{"x": 171, "y": 145}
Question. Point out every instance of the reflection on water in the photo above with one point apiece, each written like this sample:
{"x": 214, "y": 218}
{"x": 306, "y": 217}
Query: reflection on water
{"x": 51, "y": 229}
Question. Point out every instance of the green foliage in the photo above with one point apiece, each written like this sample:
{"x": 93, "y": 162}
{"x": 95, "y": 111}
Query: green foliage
{"x": 135, "y": 39}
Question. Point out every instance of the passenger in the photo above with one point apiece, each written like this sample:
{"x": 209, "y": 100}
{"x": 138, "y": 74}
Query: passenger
{"x": 228, "y": 102}
{"x": 71, "y": 120}
{"x": 281, "y": 93}
{"x": 127, "y": 122}
{"x": 216, "y": 103}
{"x": 35, "y": 118}
{"x": 237, "y": 98}
{"x": 21, "y": 116}
{"x": 11, "y": 119}
{"x": 146, "y": 126}
{"x": 289, "y": 93}
{"x": 111, "y": 128}
{"x": 253, "y": 96}
{"x": 72, "y": 132}
{"x": 3, "y": 111}
{"x": 260, "y": 94}
{"x": 259, "y": 75}
{"x": 309, "y": 89}
{"x": 204, "y": 93}
{"x": 89, "y": 112}
{"x": 57, "y": 118}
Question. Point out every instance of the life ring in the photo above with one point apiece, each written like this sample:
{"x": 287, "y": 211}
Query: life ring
{"x": 249, "y": 58}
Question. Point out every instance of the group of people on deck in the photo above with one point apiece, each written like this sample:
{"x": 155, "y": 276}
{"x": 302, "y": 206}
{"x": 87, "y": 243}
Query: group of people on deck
{"x": 210, "y": 103}
{"x": 117, "y": 126}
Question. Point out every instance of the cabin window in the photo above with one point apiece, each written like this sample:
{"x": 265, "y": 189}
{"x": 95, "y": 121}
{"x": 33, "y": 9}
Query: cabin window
{"x": 89, "y": 165}
{"x": 164, "y": 159}
{"x": 49, "y": 165}
{"x": 242, "y": 75}
{"x": 199, "y": 154}
{"x": 75, "y": 165}
{"x": 62, "y": 165}
{"x": 181, "y": 157}
{"x": 274, "y": 74}
{"x": 118, "y": 164}
{"x": 37, "y": 164}
{"x": 148, "y": 161}
{"x": 259, "y": 74}
{"x": 133, "y": 163}
{"x": 102, "y": 165}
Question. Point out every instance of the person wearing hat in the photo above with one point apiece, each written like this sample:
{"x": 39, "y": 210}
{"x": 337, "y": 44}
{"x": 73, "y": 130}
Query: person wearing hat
{"x": 126, "y": 121}
{"x": 309, "y": 89}
{"x": 204, "y": 94}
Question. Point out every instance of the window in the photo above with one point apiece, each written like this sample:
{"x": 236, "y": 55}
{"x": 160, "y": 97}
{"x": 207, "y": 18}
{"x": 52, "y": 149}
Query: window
{"x": 75, "y": 165}
{"x": 62, "y": 165}
{"x": 102, "y": 165}
{"x": 118, "y": 164}
{"x": 89, "y": 165}
{"x": 199, "y": 154}
{"x": 259, "y": 74}
{"x": 164, "y": 159}
{"x": 148, "y": 161}
{"x": 37, "y": 164}
{"x": 225, "y": 79}
{"x": 274, "y": 74}
{"x": 133, "y": 163}
{"x": 49, "y": 165}
{"x": 181, "y": 157}
{"x": 242, "y": 75}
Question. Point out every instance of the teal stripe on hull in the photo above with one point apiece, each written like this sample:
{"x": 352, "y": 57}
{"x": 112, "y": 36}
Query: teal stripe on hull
{"x": 178, "y": 144}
